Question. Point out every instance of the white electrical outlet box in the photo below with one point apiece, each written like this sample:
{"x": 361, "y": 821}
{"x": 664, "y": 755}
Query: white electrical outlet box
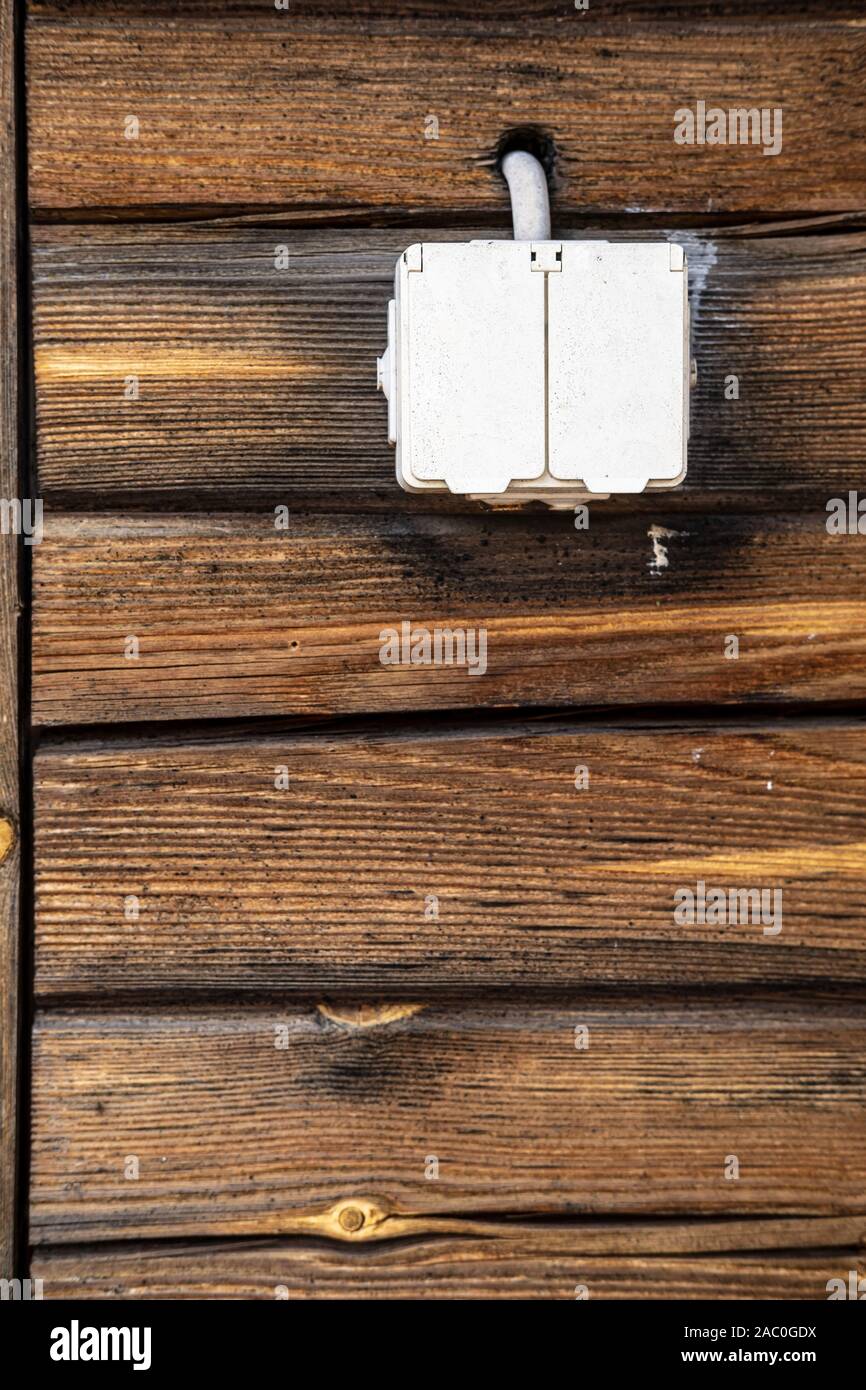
{"x": 554, "y": 370}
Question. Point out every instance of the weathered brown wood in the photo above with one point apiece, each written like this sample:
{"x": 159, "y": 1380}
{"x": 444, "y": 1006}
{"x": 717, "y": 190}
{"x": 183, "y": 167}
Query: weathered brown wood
{"x": 734, "y": 1259}
{"x": 276, "y": 1120}
{"x": 454, "y": 858}
{"x": 319, "y": 112}
{"x": 9, "y": 563}
{"x": 235, "y": 617}
{"x": 432, "y": 911}
{"x": 259, "y": 383}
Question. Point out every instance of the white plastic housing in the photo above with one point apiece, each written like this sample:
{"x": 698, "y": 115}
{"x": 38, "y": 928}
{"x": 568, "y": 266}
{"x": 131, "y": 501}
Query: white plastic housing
{"x": 557, "y": 370}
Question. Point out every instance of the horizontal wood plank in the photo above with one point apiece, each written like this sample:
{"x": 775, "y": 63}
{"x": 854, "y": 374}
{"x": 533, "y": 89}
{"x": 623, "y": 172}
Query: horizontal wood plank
{"x": 452, "y": 859}
{"x": 763, "y": 1259}
{"x": 259, "y": 383}
{"x": 234, "y": 617}
{"x": 319, "y": 112}
{"x": 280, "y": 1120}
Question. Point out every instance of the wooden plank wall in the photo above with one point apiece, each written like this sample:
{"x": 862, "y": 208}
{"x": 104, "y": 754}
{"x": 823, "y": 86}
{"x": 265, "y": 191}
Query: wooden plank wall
{"x": 359, "y": 980}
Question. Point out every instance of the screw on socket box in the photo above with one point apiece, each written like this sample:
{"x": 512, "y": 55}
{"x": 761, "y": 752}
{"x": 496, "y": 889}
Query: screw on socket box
{"x": 538, "y": 369}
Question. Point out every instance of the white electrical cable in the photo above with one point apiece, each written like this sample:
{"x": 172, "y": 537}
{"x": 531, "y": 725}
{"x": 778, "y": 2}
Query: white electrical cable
{"x": 530, "y": 200}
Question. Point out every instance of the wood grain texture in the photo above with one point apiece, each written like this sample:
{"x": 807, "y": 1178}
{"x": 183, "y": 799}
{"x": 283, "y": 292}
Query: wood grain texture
{"x": 259, "y": 1121}
{"x": 259, "y": 384}
{"x": 234, "y": 617}
{"x": 283, "y": 1140}
{"x": 320, "y": 111}
{"x": 10, "y": 943}
{"x": 760, "y": 1259}
{"x": 454, "y": 859}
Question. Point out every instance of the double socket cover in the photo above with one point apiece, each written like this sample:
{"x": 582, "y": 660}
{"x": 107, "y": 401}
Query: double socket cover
{"x": 554, "y": 370}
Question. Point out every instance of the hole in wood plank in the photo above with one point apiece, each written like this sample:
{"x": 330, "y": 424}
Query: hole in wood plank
{"x": 534, "y": 141}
